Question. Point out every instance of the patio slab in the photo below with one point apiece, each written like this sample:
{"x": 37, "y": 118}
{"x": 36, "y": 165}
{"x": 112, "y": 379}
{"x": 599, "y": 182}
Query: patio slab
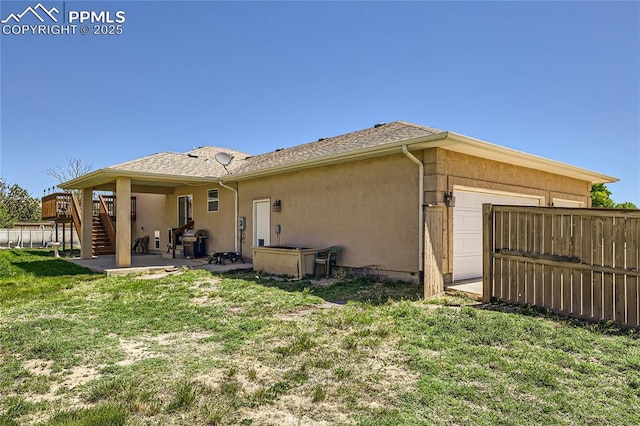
{"x": 145, "y": 263}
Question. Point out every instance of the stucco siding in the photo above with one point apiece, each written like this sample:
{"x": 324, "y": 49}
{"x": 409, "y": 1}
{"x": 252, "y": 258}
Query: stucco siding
{"x": 368, "y": 207}
{"x": 219, "y": 225}
{"x": 150, "y": 215}
{"x": 445, "y": 170}
{"x": 451, "y": 168}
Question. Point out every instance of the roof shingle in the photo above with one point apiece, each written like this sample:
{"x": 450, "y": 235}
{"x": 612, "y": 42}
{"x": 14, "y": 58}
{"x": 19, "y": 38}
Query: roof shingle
{"x": 371, "y": 137}
{"x": 201, "y": 162}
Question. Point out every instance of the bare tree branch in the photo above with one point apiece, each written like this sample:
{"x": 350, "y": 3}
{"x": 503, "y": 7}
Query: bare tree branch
{"x": 74, "y": 168}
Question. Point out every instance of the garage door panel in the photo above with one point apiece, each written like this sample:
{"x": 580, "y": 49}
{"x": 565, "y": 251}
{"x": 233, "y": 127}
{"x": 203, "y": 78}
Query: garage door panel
{"x": 467, "y": 220}
{"x": 467, "y": 228}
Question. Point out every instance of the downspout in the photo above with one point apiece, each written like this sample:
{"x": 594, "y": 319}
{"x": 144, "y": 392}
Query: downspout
{"x": 235, "y": 202}
{"x": 420, "y": 212}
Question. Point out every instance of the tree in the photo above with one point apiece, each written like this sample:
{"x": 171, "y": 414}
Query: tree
{"x": 75, "y": 167}
{"x": 601, "y": 197}
{"x": 626, "y": 205}
{"x": 16, "y": 205}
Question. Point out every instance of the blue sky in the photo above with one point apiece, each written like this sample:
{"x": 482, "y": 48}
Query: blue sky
{"x": 556, "y": 79}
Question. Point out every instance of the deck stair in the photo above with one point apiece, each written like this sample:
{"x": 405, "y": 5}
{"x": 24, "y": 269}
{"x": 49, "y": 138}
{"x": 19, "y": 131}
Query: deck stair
{"x": 64, "y": 208}
{"x": 101, "y": 243}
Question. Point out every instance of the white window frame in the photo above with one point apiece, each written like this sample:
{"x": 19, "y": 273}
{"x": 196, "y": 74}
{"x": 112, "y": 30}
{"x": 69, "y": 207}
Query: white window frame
{"x": 211, "y": 200}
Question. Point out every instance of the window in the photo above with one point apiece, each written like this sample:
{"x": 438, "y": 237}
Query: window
{"x": 212, "y": 200}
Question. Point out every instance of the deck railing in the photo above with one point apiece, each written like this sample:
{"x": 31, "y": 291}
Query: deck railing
{"x": 56, "y": 206}
{"x": 60, "y": 205}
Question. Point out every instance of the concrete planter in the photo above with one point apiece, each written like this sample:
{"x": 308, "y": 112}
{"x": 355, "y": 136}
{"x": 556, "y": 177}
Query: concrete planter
{"x": 278, "y": 260}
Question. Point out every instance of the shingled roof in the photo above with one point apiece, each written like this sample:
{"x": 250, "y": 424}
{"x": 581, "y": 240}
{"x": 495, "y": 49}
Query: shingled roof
{"x": 201, "y": 162}
{"x": 197, "y": 163}
{"x": 171, "y": 169}
{"x": 379, "y": 135}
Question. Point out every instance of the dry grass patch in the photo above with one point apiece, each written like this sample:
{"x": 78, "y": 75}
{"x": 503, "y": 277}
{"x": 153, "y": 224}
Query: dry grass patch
{"x": 129, "y": 351}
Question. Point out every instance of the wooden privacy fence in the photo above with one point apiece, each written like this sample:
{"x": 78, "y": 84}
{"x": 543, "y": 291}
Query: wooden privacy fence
{"x": 584, "y": 263}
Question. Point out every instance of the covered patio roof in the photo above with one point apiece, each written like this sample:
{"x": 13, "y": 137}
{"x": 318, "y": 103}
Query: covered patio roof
{"x": 141, "y": 182}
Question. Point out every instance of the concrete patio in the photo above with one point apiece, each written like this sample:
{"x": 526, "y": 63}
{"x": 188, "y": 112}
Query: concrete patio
{"x": 145, "y": 263}
{"x": 472, "y": 288}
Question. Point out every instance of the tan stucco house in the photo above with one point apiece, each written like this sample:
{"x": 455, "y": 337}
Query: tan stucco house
{"x": 390, "y": 195}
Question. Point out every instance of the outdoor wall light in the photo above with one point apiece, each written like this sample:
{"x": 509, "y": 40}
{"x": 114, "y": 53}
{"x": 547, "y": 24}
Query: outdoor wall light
{"x": 277, "y": 206}
{"x": 449, "y": 199}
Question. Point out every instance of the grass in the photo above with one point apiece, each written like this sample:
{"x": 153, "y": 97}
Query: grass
{"x": 78, "y": 348}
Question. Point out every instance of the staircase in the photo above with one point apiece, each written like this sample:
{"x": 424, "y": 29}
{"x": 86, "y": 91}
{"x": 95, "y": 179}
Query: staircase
{"x": 101, "y": 244}
{"x": 65, "y": 208}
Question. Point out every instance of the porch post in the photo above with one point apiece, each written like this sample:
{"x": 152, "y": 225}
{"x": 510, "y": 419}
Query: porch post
{"x": 123, "y": 222}
{"x": 86, "y": 224}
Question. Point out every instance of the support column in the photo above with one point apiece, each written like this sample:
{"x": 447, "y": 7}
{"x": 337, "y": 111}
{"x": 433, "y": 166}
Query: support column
{"x": 123, "y": 222}
{"x": 86, "y": 225}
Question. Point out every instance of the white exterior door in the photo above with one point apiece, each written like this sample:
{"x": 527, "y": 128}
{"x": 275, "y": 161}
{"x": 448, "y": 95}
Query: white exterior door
{"x": 261, "y": 223}
{"x": 467, "y": 227}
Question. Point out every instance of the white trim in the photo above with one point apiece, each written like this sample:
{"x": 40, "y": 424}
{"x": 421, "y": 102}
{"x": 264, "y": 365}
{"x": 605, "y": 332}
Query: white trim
{"x": 496, "y": 192}
{"x": 209, "y": 200}
{"x": 479, "y": 148}
{"x": 571, "y": 203}
{"x": 255, "y": 220}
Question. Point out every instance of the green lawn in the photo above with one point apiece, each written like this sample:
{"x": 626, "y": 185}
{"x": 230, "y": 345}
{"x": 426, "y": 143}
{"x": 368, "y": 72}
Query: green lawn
{"x": 78, "y": 348}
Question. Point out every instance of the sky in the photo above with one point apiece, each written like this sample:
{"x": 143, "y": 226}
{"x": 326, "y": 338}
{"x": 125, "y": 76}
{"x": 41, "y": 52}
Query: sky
{"x": 556, "y": 79}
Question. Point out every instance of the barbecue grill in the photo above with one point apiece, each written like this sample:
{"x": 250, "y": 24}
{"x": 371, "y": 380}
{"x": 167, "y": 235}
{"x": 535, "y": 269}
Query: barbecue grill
{"x": 194, "y": 243}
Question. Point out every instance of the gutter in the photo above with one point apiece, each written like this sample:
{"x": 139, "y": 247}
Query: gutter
{"x": 420, "y": 212}
{"x": 235, "y": 201}
{"x": 512, "y": 156}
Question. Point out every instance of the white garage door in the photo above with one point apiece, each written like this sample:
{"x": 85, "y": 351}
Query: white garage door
{"x": 467, "y": 228}
{"x": 559, "y": 202}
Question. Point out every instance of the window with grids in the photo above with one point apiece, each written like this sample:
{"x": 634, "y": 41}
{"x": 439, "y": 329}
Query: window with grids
{"x": 212, "y": 200}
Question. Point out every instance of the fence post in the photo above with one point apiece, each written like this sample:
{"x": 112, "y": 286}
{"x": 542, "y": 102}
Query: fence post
{"x": 487, "y": 252}
{"x": 433, "y": 250}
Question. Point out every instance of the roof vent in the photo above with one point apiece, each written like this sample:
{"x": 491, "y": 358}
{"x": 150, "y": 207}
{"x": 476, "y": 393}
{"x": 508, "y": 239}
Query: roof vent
{"x": 192, "y": 155}
{"x": 279, "y": 149}
{"x": 378, "y": 125}
{"x": 321, "y": 139}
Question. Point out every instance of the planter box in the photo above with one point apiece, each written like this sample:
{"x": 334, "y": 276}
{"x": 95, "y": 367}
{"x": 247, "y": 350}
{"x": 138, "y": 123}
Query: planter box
{"x": 278, "y": 260}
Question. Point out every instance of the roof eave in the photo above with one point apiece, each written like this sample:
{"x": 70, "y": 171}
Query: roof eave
{"x": 468, "y": 145}
{"x": 104, "y": 176}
